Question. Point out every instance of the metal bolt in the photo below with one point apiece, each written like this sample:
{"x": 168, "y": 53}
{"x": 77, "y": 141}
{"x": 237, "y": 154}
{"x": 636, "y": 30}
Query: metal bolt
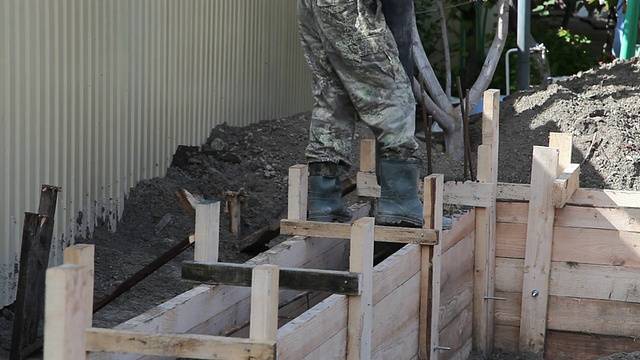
{"x": 494, "y": 298}
{"x": 436, "y": 347}
{"x": 295, "y": 227}
{"x": 535, "y": 293}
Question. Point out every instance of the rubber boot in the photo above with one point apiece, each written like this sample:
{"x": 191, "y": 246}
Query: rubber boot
{"x": 325, "y": 204}
{"x": 400, "y": 203}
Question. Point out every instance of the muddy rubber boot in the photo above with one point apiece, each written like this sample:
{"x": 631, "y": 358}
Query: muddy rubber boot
{"x": 400, "y": 203}
{"x": 325, "y": 200}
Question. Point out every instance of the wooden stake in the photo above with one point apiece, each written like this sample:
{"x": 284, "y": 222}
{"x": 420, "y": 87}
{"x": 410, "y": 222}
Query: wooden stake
{"x": 234, "y": 199}
{"x": 367, "y": 182}
{"x": 564, "y": 143}
{"x": 537, "y": 262}
{"x": 83, "y": 255}
{"x": 207, "y": 231}
{"x": 368, "y": 155}
{"x": 65, "y": 313}
{"x": 298, "y": 190}
{"x": 359, "y": 323}
{"x": 264, "y": 303}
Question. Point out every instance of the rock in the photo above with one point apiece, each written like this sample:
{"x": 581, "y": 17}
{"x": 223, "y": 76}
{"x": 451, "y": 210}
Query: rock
{"x": 218, "y": 144}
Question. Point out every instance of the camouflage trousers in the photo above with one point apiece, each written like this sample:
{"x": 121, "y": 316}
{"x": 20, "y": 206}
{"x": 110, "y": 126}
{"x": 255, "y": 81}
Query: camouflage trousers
{"x": 356, "y": 73}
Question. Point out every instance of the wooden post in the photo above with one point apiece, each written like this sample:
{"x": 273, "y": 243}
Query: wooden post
{"x": 264, "y": 302}
{"x": 359, "y": 323}
{"x": 207, "y": 231}
{"x": 485, "y": 240}
{"x": 429, "y": 325}
{"x": 234, "y": 206}
{"x": 564, "y": 143}
{"x": 367, "y": 182}
{"x": 83, "y": 255}
{"x": 65, "y": 313}
{"x": 537, "y": 262}
{"x": 298, "y": 189}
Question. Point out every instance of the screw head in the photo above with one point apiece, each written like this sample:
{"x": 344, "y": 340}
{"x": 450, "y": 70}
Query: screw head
{"x": 535, "y": 293}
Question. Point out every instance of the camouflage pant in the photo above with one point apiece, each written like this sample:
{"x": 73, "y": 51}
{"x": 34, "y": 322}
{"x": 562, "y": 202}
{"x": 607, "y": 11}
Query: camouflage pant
{"x": 356, "y": 73}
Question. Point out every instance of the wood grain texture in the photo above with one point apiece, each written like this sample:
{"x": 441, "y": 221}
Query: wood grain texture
{"x": 207, "y": 231}
{"x": 298, "y": 192}
{"x": 569, "y": 346}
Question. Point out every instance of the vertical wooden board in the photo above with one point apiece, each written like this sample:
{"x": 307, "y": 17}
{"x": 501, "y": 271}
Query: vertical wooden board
{"x": 594, "y": 316}
{"x": 433, "y": 187}
{"x": 564, "y": 143}
{"x": 538, "y": 250}
{"x": 207, "y": 231}
{"x": 298, "y": 191}
{"x": 368, "y": 155}
{"x": 562, "y": 345}
{"x": 360, "y": 307}
{"x": 265, "y": 281}
{"x": 460, "y": 229}
{"x": 491, "y": 131}
{"x": 456, "y": 333}
{"x": 83, "y": 255}
{"x": 506, "y": 337}
{"x": 65, "y": 313}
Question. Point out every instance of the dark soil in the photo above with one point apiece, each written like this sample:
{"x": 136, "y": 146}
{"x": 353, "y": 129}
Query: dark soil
{"x": 600, "y": 107}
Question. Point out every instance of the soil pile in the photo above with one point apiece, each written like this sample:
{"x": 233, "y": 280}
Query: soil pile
{"x": 600, "y": 107}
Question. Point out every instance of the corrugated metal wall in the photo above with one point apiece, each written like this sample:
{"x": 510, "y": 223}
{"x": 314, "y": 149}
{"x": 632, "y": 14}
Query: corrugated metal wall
{"x": 96, "y": 95}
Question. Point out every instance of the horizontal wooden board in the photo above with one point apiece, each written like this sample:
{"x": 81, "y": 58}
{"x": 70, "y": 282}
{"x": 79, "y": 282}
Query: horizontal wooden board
{"x": 404, "y": 344}
{"x": 560, "y": 345}
{"x": 506, "y": 337}
{"x": 462, "y": 226}
{"x": 624, "y": 219}
{"x": 456, "y": 334}
{"x": 591, "y": 246}
{"x": 343, "y": 231}
{"x": 509, "y": 274}
{"x": 507, "y": 312}
{"x": 333, "y": 281}
{"x": 395, "y": 270}
{"x": 456, "y": 261}
{"x": 583, "y": 197}
{"x": 455, "y": 298}
{"x": 177, "y": 345}
{"x": 334, "y": 348}
{"x": 469, "y": 193}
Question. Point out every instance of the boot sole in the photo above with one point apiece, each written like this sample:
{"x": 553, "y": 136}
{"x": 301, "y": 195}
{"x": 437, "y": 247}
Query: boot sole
{"x": 400, "y": 221}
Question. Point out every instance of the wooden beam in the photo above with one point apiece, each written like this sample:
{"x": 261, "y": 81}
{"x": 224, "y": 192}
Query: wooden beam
{"x": 469, "y": 193}
{"x": 65, "y": 313}
{"x": 368, "y": 185}
{"x": 83, "y": 255}
{"x": 565, "y": 185}
{"x": 367, "y": 182}
{"x": 368, "y": 155}
{"x": 207, "y": 231}
{"x": 337, "y": 282}
{"x": 342, "y": 231}
{"x": 563, "y": 345}
{"x": 426, "y": 276}
{"x": 564, "y": 143}
{"x": 538, "y": 250}
{"x": 298, "y": 192}
{"x": 177, "y": 345}
{"x": 433, "y": 212}
{"x": 360, "y": 317}
{"x": 234, "y": 207}
{"x": 264, "y": 302}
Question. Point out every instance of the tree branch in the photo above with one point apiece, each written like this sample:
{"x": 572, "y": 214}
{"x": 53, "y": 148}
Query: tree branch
{"x": 447, "y": 51}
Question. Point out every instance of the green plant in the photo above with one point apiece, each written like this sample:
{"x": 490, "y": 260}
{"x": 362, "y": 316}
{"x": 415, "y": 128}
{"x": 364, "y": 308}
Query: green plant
{"x": 568, "y": 53}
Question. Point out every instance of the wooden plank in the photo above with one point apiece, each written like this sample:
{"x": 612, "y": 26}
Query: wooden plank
{"x": 582, "y": 197}
{"x": 538, "y": 250}
{"x": 491, "y": 124}
{"x": 590, "y": 246}
{"x": 457, "y": 261}
{"x": 564, "y": 143}
{"x": 207, "y": 231}
{"x": 456, "y": 297}
{"x": 484, "y": 261}
{"x": 509, "y": 274}
{"x": 337, "y": 282}
{"x": 334, "y": 348}
{"x": 368, "y": 155}
{"x": 623, "y": 219}
{"x": 83, "y": 255}
{"x": 469, "y": 193}
{"x": 298, "y": 191}
{"x": 565, "y": 185}
{"x": 177, "y": 345}
{"x": 508, "y": 311}
{"x": 513, "y": 212}
{"x": 569, "y": 345}
{"x": 403, "y": 345}
{"x": 461, "y": 227}
{"x": 394, "y": 270}
{"x": 65, "y": 313}
{"x": 264, "y": 302}
{"x": 456, "y": 333}
{"x": 594, "y": 316}
{"x": 464, "y": 352}
{"x": 342, "y": 231}
{"x": 506, "y": 337}
{"x": 359, "y": 323}
{"x": 368, "y": 185}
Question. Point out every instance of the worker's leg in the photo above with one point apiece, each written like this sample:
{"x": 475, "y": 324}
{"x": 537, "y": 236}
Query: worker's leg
{"x": 363, "y": 53}
{"x": 332, "y": 125}
{"x": 397, "y": 14}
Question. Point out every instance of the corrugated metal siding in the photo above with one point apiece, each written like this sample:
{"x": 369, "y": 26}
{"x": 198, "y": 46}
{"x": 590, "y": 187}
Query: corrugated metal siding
{"x": 96, "y": 95}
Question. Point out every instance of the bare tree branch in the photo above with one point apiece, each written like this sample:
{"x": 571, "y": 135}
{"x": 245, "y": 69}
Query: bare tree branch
{"x": 447, "y": 52}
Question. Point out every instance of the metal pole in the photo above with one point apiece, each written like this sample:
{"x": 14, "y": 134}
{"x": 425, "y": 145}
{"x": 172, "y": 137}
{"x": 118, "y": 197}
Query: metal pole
{"x": 524, "y": 28}
{"x": 628, "y": 41}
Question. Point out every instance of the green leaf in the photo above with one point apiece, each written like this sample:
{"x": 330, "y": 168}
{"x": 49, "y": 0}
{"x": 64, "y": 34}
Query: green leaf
{"x": 538, "y": 8}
